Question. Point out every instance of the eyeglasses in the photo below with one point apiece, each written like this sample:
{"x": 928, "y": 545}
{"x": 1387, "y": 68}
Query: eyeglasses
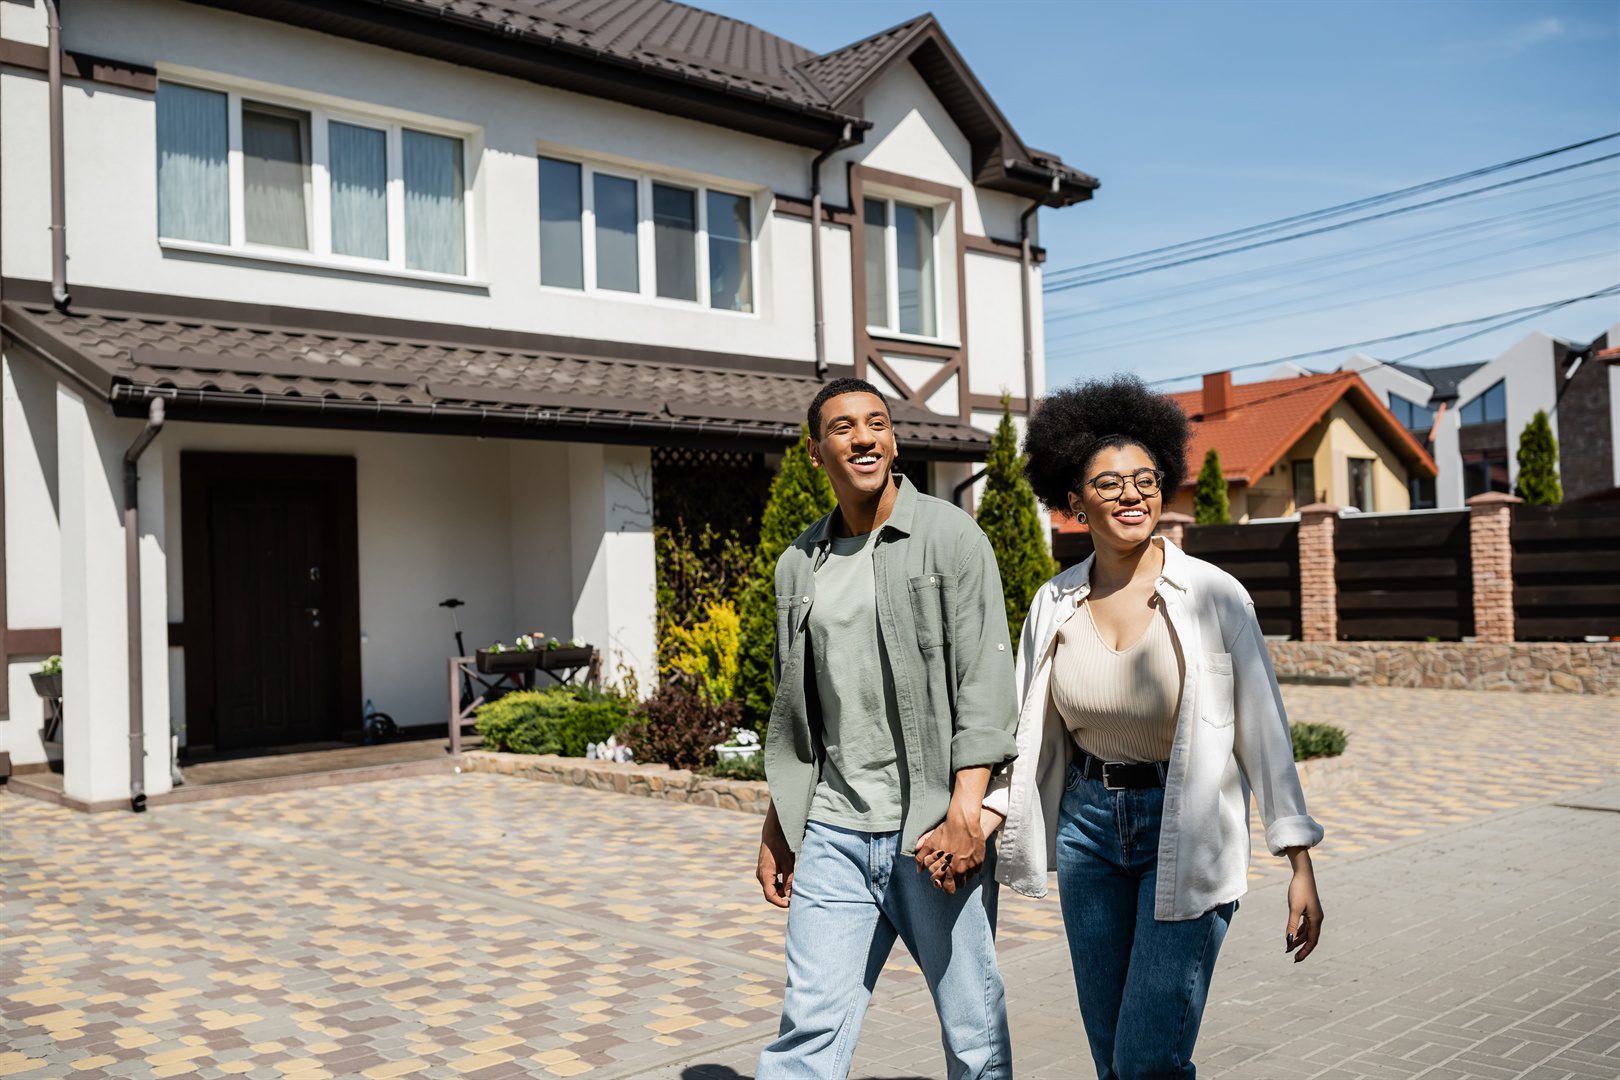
{"x": 1110, "y": 486}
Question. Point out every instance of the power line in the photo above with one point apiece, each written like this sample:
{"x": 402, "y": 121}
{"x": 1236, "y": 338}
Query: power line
{"x": 1331, "y": 211}
{"x": 1547, "y": 214}
{"x": 1514, "y": 314}
{"x": 1065, "y": 286}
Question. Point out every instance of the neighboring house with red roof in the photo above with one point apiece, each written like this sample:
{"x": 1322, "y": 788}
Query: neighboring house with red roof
{"x": 1285, "y": 443}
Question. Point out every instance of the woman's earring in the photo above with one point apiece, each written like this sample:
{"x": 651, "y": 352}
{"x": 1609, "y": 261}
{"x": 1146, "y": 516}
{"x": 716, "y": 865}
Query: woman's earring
{"x": 1080, "y": 516}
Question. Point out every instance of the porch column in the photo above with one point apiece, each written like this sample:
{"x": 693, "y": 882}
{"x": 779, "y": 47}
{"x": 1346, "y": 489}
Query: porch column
{"x": 1490, "y": 544}
{"x": 1318, "y": 584}
{"x": 615, "y": 592}
{"x": 95, "y": 663}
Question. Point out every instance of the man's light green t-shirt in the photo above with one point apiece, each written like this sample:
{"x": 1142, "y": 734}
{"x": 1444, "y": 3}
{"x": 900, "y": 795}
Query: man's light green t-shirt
{"x": 860, "y": 718}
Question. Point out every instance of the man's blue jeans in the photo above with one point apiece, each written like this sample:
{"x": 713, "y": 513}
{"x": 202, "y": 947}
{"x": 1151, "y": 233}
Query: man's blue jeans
{"x": 1142, "y": 983}
{"x": 853, "y": 893}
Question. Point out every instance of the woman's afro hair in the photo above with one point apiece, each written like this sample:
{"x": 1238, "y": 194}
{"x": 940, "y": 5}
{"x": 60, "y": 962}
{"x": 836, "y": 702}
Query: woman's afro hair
{"x": 1072, "y": 424}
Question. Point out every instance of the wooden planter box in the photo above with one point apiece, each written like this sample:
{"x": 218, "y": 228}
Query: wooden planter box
{"x": 47, "y": 686}
{"x": 510, "y": 662}
{"x": 552, "y": 659}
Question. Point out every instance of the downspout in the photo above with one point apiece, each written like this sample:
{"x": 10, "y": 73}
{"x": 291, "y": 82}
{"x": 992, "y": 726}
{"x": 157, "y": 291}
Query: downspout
{"x": 53, "y": 25}
{"x": 843, "y": 141}
{"x": 132, "y": 604}
{"x": 956, "y": 492}
{"x": 1026, "y": 261}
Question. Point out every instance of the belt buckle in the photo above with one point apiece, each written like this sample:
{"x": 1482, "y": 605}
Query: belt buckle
{"x": 1108, "y": 783}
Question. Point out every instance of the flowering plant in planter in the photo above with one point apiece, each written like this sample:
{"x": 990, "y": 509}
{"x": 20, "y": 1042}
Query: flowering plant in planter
{"x": 48, "y": 679}
{"x": 744, "y": 743}
{"x": 501, "y": 659}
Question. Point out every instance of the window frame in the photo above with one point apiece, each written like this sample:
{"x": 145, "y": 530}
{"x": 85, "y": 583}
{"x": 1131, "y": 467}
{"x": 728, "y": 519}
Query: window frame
{"x": 646, "y": 235}
{"x": 1371, "y": 478}
{"x": 1480, "y": 400}
{"x": 891, "y": 268}
{"x": 323, "y": 111}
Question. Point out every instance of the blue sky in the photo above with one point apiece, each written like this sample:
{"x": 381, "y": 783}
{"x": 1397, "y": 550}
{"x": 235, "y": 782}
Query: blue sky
{"x": 1209, "y": 116}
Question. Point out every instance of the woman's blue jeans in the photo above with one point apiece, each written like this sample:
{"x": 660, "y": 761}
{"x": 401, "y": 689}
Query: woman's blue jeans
{"x": 1142, "y": 983}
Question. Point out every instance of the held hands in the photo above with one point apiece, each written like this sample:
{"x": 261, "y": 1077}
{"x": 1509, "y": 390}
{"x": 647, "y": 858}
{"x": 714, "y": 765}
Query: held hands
{"x": 776, "y": 861}
{"x": 1304, "y": 927}
{"x": 953, "y": 850}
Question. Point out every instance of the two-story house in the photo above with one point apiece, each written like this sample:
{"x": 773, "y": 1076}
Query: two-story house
{"x": 317, "y": 313}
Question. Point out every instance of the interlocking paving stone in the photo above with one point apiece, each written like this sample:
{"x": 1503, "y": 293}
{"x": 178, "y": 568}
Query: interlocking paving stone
{"x": 485, "y": 926}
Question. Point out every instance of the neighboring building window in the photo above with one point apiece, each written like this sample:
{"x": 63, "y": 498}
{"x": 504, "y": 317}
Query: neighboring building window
{"x": 903, "y": 295}
{"x": 1361, "y": 483}
{"x": 701, "y": 239}
{"x": 1488, "y": 408}
{"x": 194, "y": 187}
{"x": 562, "y": 234}
{"x": 1484, "y": 470}
{"x": 1304, "y": 483}
{"x": 1413, "y": 417}
{"x": 1421, "y": 490}
{"x": 394, "y": 196}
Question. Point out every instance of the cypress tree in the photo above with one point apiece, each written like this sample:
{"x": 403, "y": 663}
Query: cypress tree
{"x": 1538, "y": 464}
{"x": 799, "y": 496}
{"x": 1009, "y": 517}
{"x": 1210, "y": 505}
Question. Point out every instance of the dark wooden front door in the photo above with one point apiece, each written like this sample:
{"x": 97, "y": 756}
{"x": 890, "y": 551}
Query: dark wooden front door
{"x": 272, "y": 600}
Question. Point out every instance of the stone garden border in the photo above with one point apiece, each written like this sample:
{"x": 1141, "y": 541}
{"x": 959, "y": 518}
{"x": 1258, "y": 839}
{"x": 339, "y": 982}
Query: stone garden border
{"x": 1533, "y": 667}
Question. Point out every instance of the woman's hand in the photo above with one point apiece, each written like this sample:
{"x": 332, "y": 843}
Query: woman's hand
{"x": 1304, "y": 927}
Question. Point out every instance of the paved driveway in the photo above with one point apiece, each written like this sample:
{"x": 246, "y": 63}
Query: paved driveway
{"x": 489, "y": 926}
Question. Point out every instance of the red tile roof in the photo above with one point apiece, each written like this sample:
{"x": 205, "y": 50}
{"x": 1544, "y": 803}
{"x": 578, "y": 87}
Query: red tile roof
{"x": 1265, "y": 419}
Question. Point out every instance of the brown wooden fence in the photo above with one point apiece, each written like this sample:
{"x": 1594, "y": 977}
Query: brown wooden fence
{"x": 1404, "y": 577}
{"x": 1265, "y": 558}
{"x": 1566, "y": 571}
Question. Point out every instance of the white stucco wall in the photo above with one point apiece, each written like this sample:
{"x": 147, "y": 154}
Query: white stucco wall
{"x": 1530, "y": 382}
{"x": 995, "y": 325}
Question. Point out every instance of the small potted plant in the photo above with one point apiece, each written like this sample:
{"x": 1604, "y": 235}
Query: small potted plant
{"x": 743, "y": 744}
{"x": 503, "y": 659}
{"x": 572, "y": 654}
{"x": 48, "y": 679}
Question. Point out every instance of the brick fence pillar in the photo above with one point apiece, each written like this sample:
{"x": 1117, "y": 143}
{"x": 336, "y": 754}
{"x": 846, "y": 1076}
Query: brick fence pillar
{"x": 1490, "y": 546}
{"x": 1318, "y": 586}
{"x": 1173, "y": 527}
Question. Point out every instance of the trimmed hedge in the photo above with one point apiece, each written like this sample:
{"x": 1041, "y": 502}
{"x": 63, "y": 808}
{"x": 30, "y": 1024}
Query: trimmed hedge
{"x": 558, "y": 720}
{"x": 1317, "y": 740}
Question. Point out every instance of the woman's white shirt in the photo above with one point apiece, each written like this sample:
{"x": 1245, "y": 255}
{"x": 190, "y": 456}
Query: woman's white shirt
{"x": 1231, "y": 737}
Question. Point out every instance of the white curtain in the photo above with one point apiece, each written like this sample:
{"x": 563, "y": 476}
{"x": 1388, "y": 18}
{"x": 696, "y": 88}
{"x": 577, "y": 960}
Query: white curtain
{"x": 193, "y": 183}
{"x": 731, "y": 283}
{"x": 275, "y": 175}
{"x": 359, "y": 166}
{"x": 435, "y": 237}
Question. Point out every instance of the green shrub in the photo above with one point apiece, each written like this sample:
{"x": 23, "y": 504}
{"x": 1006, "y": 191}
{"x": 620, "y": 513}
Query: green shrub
{"x": 708, "y": 651}
{"x": 559, "y": 720}
{"x": 680, "y": 726}
{"x": 748, "y": 768}
{"x": 1317, "y": 740}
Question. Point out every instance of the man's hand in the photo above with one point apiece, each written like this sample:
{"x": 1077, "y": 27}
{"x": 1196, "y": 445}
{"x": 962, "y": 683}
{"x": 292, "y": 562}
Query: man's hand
{"x": 953, "y": 850}
{"x": 776, "y": 859}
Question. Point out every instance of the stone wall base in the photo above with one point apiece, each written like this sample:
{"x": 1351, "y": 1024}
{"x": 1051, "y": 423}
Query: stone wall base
{"x": 1525, "y": 666}
{"x": 649, "y": 781}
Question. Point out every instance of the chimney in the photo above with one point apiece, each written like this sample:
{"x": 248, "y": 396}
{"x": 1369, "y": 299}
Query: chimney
{"x": 1217, "y": 394}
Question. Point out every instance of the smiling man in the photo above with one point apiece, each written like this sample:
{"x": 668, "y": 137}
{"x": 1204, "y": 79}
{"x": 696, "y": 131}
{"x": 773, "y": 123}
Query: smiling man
{"x": 894, "y": 703}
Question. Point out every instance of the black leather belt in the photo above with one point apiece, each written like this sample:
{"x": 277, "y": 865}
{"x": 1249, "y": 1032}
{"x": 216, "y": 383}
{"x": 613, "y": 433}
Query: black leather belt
{"x": 1122, "y": 775}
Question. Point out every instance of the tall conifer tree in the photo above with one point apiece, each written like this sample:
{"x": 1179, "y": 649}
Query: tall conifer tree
{"x": 1538, "y": 464}
{"x": 799, "y": 497}
{"x": 1210, "y": 504}
{"x": 1010, "y": 518}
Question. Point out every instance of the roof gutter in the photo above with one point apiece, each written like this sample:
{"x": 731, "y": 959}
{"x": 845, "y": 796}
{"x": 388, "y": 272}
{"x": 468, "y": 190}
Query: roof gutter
{"x": 132, "y": 604}
{"x": 53, "y": 75}
{"x": 845, "y": 140}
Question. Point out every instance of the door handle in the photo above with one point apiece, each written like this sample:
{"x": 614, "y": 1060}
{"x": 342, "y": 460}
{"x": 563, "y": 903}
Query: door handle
{"x": 314, "y": 614}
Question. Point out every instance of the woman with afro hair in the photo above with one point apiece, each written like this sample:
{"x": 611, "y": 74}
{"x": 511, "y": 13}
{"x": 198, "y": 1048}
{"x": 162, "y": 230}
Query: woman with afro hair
{"x": 1149, "y": 713}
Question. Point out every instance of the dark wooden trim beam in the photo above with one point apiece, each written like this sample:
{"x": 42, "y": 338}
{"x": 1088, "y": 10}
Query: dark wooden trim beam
{"x": 887, "y": 372}
{"x": 795, "y": 207}
{"x": 937, "y": 380}
{"x": 77, "y": 65}
{"x": 1006, "y": 249}
{"x": 993, "y": 402}
{"x": 46, "y": 641}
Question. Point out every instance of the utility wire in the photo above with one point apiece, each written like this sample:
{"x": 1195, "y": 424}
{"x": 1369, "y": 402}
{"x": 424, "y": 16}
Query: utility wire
{"x": 1514, "y": 315}
{"x": 1341, "y": 208}
{"x": 1065, "y": 286}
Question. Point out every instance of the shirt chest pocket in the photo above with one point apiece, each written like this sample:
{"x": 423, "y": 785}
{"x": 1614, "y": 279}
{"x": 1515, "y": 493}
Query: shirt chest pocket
{"x": 931, "y": 598}
{"x": 791, "y": 609}
{"x": 1215, "y": 692}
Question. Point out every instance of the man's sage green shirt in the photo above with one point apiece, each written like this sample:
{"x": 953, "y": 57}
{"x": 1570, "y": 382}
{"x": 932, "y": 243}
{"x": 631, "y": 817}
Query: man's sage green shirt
{"x": 943, "y": 624}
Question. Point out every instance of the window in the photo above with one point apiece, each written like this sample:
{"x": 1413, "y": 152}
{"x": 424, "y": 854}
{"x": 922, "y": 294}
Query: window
{"x": 1361, "y": 485}
{"x": 1488, "y": 408}
{"x": 1413, "y": 417}
{"x": 594, "y": 226}
{"x": 1484, "y": 470}
{"x": 1304, "y": 483}
{"x": 901, "y": 276}
{"x": 368, "y": 193}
